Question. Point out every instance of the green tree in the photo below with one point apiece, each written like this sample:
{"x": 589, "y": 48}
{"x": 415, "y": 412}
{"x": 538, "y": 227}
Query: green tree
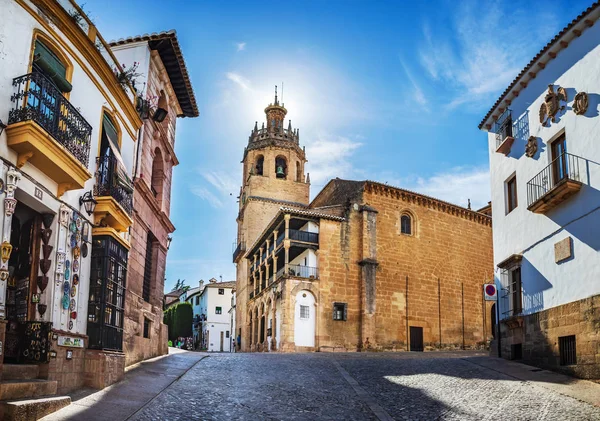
{"x": 179, "y": 318}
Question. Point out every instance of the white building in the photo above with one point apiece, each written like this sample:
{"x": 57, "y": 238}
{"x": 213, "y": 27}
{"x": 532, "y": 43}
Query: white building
{"x": 232, "y": 329}
{"x": 215, "y": 303}
{"x": 68, "y": 138}
{"x": 544, "y": 148}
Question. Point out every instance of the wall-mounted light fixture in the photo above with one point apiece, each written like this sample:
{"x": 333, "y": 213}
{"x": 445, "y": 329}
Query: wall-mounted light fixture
{"x": 169, "y": 239}
{"x": 161, "y": 110}
{"x": 90, "y": 203}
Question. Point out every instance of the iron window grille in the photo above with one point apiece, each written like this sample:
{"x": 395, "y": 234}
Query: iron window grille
{"x": 564, "y": 167}
{"x": 221, "y": 291}
{"x": 146, "y": 328}
{"x": 107, "y": 294}
{"x": 340, "y": 311}
{"x": 503, "y": 127}
{"x": 567, "y": 350}
{"x": 304, "y": 312}
{"x": 107, "y": 183}
{"x": 148, "y": 267}
{"x": 37, "y": 98}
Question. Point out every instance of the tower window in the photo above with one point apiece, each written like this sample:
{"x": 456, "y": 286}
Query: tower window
{"x": 406, "y": 224}
{"x": 298, "y": 171}
{"x": 280, "y": 167}
{"x": 259, "y": 165}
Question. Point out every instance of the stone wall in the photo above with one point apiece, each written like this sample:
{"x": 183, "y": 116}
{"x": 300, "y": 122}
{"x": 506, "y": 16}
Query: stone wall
{"x": 103, "y": 368}
{"x": 69, "y": 374}
{"x": 538, "y": 335}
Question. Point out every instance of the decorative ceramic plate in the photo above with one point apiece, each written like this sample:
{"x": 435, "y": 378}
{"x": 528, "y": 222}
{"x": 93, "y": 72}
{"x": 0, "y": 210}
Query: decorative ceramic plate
{"x": 73, "y": 304}
{"x": 84, "y": 250}
{"x": 73, "y": 315}
{"x": 65, "y": 302}
{"x": 78, "y": 223}
{"x": 1, "y": 186}
{"x": 78, "y": 237}
{"x": 75, "y": 216}
{"x": 73, "y": 226}
{"x": 75, "y": 265}
{"x": 75, "y": 279}
{"x": 70, "y": 324}
{"x": 76, "y": 252}
{"x": 73, "y": 240}
{"x": 73, "y": 291}
{"x": 67, "y": 274}
{"x": 68, "y": 264}
{"x": 66, "y": 287}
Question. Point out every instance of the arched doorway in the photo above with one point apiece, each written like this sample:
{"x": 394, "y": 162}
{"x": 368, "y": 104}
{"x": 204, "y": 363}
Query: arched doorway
{"x": 304, "y": 319}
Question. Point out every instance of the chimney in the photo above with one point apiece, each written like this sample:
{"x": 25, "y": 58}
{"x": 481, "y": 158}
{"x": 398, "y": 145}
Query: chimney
{"x": 201, "y": 283}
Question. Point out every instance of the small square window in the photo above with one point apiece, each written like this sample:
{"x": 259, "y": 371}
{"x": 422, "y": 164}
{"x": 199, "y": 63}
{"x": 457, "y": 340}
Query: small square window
{"x": 218, "y": 310}
{"x": 227, "y": 334}
{"x": 340, "y": 311}
{"x": 304, "y": 312}
{"x": 221, "y": 291}
{"x": 146, "y": 328}
{"x": 567, "y": 350}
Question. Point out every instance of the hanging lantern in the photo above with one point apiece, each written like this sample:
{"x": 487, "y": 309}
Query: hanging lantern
{"x": 6, "y": 250}
{"x": 90, "y": 203}
{"x": 161, "y": 110}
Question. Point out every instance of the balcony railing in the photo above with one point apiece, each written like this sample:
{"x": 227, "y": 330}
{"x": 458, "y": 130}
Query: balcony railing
{"x": 556, "y": 182}
{"x": 241, "y": 247}
{"x": 38, "y": 99}
{"x": 251, "y": 294}
{"x": 107, "y": 183}
{"x": 279, "y": 273}
{"x": 503, "y": 127}
{"x": 304, "y": 236}
{"x": 303, "y": 271}
{"x": 280, "y": 239}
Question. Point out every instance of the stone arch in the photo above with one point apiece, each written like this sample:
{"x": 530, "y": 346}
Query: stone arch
{"x": 259, "y": 165}
{"x": 281, "y": 167}
{"x": 157, "y": 177}
{"x": 407, "y": 223}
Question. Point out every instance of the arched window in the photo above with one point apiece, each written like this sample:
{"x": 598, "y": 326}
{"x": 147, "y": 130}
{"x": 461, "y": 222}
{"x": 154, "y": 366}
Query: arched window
{"x": 157, "y": 174}
{"x": 406, "y": 224}
{"x": 48, "y": 61}
{"x": 298, "y": 171}
{"x": 258, "y": 167}
{"x": 280, "y": 167}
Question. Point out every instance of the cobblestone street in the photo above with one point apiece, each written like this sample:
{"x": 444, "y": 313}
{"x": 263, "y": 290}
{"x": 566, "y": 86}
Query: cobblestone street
{"x": 401, "y": 386}
{"x": 321, "y": 386}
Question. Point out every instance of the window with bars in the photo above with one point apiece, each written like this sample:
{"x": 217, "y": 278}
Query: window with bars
{"x": 107, "y": 294}
{"x": 340, "y": 311}
{"x": 146, "y": 328}
{"x": 511, "y": 194}
{"x": 148, "y": 267}
{"x": 515, "y": 291}
{"x": 567, "y": 350}
{"x": 221, "y": 291}
{"x": 304, "y": 312}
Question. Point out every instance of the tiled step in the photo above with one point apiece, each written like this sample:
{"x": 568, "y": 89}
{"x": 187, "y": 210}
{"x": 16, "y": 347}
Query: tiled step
{"x": 21, "y": 389}
{"x": 20, "y": 371}
{"x": 32, "y": 409}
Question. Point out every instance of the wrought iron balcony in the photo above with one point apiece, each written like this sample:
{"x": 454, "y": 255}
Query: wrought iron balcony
{"x": 38, "y": 99}
{"x": 555, "y": 183}
{"x": 304, "y": 236}
{"x": 279, "y": 273}
{"x": 300, "y": 271}
{"x": 108, "y": 184}
{"x": 241, "y": 247}
{"x": 504, "y": 133}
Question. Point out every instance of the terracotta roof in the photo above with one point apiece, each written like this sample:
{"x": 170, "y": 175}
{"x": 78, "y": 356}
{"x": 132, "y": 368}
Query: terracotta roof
{"x": 228, "y": 284}
{"x": 317, "y": 213}
{"x": 541, "y": 54}
{"x": 168, "y": 48}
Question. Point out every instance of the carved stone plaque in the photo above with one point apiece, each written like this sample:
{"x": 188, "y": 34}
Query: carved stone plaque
{"x": 563, "y": 250}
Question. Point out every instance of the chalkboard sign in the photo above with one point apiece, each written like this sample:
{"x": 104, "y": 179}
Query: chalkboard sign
{"x": 36, "y": 341}
{"x": 22, "y": 299}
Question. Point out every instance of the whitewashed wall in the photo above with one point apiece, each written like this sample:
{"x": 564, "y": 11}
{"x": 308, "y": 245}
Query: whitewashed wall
{"x": 217, "y": 323}
{"x": 545, "y": 283}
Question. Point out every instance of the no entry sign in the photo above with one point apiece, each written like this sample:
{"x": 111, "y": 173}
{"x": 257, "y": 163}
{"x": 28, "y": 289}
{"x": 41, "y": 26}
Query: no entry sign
{"x": 490, "y": 292}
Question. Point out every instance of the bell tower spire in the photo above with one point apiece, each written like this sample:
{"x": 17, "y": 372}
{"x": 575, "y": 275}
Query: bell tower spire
{"x": 275, "y": 115}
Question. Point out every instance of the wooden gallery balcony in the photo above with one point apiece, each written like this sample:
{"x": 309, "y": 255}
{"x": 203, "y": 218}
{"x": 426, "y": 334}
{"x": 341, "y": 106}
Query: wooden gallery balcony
{"x": 555, "y": 183}
{"x": 45, "y": 129}
{"x": 114, "y": 193}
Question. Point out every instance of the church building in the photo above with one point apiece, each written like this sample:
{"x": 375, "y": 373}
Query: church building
{"x": 364, "y": 266}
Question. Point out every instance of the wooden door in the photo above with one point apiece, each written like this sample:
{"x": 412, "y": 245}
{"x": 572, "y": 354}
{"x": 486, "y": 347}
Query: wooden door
{"x": 416, "y": 338}
{"x": 559, "y": 160}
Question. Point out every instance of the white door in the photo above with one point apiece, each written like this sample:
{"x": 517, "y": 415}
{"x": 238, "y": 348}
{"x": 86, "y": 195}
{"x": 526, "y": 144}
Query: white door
{"x": 304, "y": 319}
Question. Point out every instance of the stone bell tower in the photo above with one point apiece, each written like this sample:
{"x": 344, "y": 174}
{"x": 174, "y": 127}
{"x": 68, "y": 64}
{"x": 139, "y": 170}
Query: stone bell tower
{"x": 273, "y": 176}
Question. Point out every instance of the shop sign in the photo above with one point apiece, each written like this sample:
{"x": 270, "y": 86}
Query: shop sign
{"x": 70, "y": 341}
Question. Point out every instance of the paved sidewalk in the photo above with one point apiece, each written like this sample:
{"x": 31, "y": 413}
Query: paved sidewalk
{"x": 582, "y": 390}
{"x": 142, "y": 383}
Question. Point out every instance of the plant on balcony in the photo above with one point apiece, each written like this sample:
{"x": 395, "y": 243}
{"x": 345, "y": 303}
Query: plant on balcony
{"x": 128, "y": 75}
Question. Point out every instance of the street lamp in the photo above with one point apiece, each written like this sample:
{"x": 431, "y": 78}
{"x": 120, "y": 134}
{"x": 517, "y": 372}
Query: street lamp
{"x": 88, "y": 200}
{"x": 169, "y": 239}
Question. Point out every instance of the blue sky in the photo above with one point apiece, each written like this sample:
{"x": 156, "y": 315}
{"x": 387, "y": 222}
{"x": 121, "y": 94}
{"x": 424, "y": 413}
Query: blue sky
{"x": 390, "y": 91}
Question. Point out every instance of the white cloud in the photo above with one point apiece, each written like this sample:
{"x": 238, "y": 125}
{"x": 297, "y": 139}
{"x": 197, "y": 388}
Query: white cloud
{"x": 475, "y": 58}
{"x": 241, "y": 46}
{"x": 210, "y": 197}
{"x": 329, "y": 156}
{"x": 418, "y": 95}
{"x": 457, "y": 186}
{"x": 239, "y": 80}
